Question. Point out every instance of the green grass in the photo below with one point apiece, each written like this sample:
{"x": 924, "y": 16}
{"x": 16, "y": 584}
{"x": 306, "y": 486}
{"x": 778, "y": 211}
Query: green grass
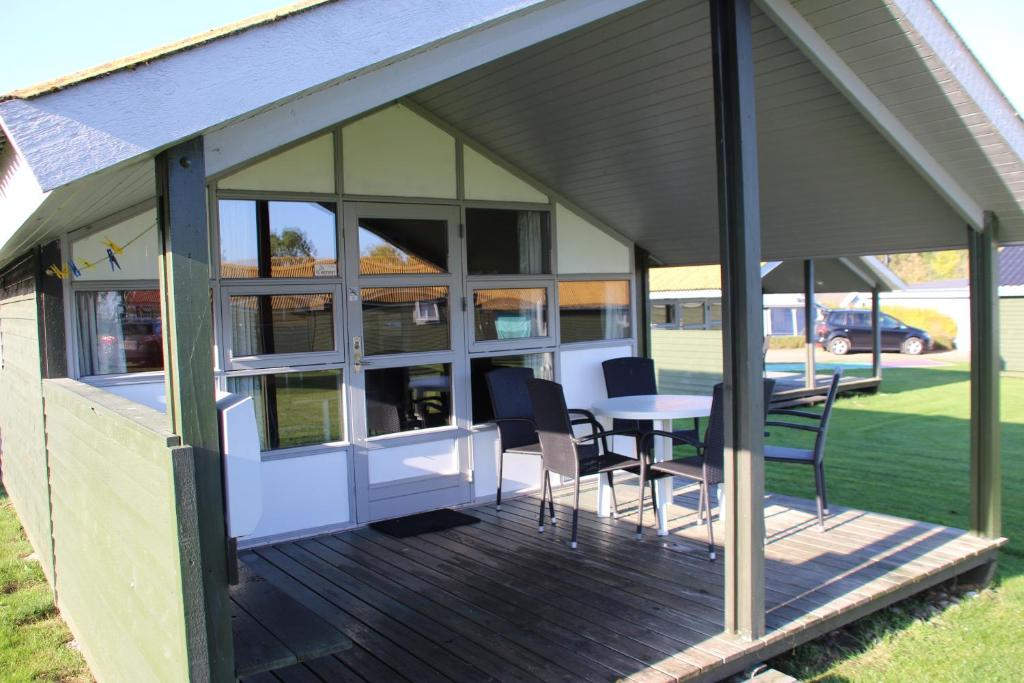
{"x": 904, "y": 452}
{"x": 34, "y": 642}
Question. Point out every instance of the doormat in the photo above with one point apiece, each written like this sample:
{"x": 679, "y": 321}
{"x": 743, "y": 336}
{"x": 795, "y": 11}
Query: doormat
{"x": 423, "y": 523}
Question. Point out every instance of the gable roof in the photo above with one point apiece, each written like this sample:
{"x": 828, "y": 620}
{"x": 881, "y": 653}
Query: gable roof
{"x": 878, "y": 130}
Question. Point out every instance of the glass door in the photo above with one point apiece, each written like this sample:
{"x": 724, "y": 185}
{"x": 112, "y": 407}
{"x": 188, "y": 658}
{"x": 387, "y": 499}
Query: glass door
{"x": 406, "y": 342}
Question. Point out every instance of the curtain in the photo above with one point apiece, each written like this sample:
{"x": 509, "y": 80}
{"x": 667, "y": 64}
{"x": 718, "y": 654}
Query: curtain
{"x": 252, "y": 387}
{"x": 531, "y": 242}
{"x": 101, "y": 332}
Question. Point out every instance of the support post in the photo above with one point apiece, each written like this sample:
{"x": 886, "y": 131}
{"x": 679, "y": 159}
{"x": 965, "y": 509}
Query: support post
{"x": 643, "y": 333}
{"x": 986, "y": 481}
{"x": 191, "y": 408}
{"x": 876, "y": 332}
{"x": 811, "y": 371}
{"x": 742, "y": 316}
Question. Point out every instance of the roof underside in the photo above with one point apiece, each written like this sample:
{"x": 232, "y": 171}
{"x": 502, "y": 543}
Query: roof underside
{"x": 617, "y": 117}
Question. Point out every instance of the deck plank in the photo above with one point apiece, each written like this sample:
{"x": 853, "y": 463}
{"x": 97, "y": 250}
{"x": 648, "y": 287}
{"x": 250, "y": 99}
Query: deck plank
{"x": 498, "y": 601}
{"x": 256, "y": 649}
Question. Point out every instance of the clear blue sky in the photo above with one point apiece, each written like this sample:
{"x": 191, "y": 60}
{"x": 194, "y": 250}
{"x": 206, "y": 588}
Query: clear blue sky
{"x": 43, "y": 39}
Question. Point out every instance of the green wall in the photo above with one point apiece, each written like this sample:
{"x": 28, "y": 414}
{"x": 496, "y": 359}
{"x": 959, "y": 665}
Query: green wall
{"x": 22, "y": 447}
{"x": 1011, "y": 334}
{"x": 125, "y": 535}
{"x": 687, "y": 361}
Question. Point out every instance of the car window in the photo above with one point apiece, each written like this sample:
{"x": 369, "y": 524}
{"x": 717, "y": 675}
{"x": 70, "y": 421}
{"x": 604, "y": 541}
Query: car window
{"x": 859, "y": 319}
{"x": 890, "y": 323}
{"x": 837, "y": 318}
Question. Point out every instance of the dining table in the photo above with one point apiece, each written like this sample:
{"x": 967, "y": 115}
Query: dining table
{"x": 661, "y": 409}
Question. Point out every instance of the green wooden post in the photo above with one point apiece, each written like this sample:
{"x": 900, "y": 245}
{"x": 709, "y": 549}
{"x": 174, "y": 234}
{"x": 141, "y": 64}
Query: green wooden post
{"x": 986, "y": 478}
{"x": 188, "y": 365}
{"x": 876, "y": 331}
{"x": 643, "y": 294}
{"x": 739, "y": 236}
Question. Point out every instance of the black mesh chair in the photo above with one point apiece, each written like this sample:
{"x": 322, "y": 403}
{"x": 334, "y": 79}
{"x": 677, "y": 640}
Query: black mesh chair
{"x": 707, "y": 467}
{"x": 818, "y": 424}
{"x": 632, "y": 376}
{"x": 513, "y": 415}
{"x": 562, "y": 452}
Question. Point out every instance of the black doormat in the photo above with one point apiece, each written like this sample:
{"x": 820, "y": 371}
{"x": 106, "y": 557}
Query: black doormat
{"x": 423, "y": 523}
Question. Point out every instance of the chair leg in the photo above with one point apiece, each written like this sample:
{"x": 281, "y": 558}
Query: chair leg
{"x": 640, "y": 511}
{"x": 501, "y": 468}
{"x": 551, "y": 498}
{"x": 824, "y": 491}
{"x": 700, "y": 504}
{"x": 819, "y": 491}
{"x": 711, "y": 529}
{"x": 543, "y": 495}
{"x": 575, "y": 513}
{"x": 611, "y": 489}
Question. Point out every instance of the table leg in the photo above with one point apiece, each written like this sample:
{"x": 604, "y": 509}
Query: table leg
{"x": 662, "y": 452}
{"x": 604, "y": 492}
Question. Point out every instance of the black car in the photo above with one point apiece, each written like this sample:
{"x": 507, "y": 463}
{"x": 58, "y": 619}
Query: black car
{"x": 843, "y": 331}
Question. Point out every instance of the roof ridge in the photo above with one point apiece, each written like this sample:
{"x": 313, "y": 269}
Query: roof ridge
{"x": 162, "y": 51}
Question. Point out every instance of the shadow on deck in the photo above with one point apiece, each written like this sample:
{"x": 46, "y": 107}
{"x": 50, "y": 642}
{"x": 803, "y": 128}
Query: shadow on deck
{"x": 497, "y": 601}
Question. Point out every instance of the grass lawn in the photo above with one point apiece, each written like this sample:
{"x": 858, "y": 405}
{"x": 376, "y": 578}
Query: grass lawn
{"x": 904, "y": 452}
{"x": 33, "y": 639}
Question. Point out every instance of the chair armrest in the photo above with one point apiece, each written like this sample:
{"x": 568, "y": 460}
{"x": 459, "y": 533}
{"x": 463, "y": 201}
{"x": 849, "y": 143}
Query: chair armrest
{"x": 793, "y": 425}
{"x": 586, "y": 413}
{"x": 670, "y": 435}
{"x": 605, "y": 434}
{"x": 794, "y": 413}
{"x": 498, "y": 420}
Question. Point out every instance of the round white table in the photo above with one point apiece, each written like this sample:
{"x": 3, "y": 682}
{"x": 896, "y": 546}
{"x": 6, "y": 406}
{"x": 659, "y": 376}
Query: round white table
{"x": 661, "y": 409}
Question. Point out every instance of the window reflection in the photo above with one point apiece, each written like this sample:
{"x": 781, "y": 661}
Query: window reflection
{"x": 261, "y": 239}
{"x": 408, "y": 398}
{"x": 287, "y": 323}
{"x": 592, "y": 310}
{"x": 541, "y": 364}
{"x": 119, "y": 331}
{"x": 405, "y": 319}
{"x": 294, "y": 408}
{"x": 500, "y": 314}
{"x": 389, "y": 246}
{"x": 508, "y": 242}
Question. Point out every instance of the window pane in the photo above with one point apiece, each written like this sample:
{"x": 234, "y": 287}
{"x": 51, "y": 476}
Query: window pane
{"x": 782, "y": 321}
{"x": 294, "y": 408}
{"x": 590, "y": 310}
{"x": 286, "y": 323}
{"x": 715, "y": 315}
{"x": 390, "y": 246}
{"x": 888, "y": 322}
{"x": 510, "y": 313}
{"x": 661, "y": 314}
{"x": 507, "y": 242}
{"x": 541, "y": 364}
{"x": 277, "y": 239}
{"x": 119, "y": 331}
{"x": 693, "y": 314}
{"x": 406, "y": 399}
{"x": 405, "y": 319}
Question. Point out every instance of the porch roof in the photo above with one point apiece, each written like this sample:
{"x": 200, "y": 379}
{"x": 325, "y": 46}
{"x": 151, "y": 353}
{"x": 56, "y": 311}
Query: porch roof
{"x": 878, "y": 130}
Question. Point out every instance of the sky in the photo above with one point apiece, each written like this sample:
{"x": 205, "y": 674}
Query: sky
{"x": 44, "y": 39}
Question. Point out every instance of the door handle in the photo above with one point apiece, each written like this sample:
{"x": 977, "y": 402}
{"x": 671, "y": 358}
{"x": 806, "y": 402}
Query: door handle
{"x": 357, "y": 354}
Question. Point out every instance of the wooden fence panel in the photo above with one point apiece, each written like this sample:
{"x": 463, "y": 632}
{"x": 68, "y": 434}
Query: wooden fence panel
{"x": 687, "y": 361}
{"x": 1011, "y": 335}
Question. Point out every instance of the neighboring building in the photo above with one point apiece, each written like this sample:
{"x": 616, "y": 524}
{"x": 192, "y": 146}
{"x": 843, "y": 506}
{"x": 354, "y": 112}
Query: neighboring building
{"x": 1011, "y": 309}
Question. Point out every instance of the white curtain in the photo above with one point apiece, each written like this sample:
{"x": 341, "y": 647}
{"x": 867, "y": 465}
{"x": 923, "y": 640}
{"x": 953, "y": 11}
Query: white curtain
{"x": 101, "y": 333}
{"x": 531, "y": 242}
{"x": 245, "y": 325}
{"x": 253, "y": 387}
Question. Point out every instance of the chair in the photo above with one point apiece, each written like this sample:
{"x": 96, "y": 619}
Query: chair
{"x": 632, "y": 376}
{"x": 813, "y": 456}
{"x": 513, "y": 416}
{"x": 562, "y": 452}
{"x": 707, "y": 467}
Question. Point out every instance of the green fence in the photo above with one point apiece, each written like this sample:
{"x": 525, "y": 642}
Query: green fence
{"x": 125, "y": 536}
{"x": 687, "y": 361}
{"x": 1011, "y": 334}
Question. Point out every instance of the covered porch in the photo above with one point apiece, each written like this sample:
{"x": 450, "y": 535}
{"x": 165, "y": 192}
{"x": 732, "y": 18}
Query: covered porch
{"x": 495, "y": 600}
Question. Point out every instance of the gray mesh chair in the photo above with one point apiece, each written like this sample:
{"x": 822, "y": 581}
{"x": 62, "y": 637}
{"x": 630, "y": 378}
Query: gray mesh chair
{"x": 562, "y": 452}
{"x": 707, "y": 467}
{"x": 815, "y": 457}
{"x": 634, "y": 376}
{"x": 513, "y": 416}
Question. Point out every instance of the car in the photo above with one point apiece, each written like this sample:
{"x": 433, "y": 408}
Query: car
{"x": 844, "y": 330}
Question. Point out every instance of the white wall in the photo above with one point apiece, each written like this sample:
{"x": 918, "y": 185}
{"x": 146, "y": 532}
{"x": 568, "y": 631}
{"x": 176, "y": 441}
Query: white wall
{"x": 152, "y": 394}
{"x": 394, "y": 463}
{"x": 308, "y": 167}
{"x": 139, "y": 260}
{"x": 521, "y": 472}
{"x": 304, "y": 493}
{"x": 584, "y": 248}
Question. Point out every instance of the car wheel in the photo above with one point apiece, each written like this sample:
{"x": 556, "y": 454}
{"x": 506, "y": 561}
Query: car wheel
{"x": 912, "y": 346}
{"x": 840, "y": 346}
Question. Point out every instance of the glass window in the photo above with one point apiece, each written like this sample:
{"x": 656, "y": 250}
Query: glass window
{"x": 591, "y": 310}
{"x": 501, "y": 314}
{"x": 390, "y": 246}
{"x": 541, "y": 364}
{"x": 889, "y": 322}
{"x": 284, "y": 323}
{"x": 409, "y": 398}
{"x": 693, "y": 314}
{"x": 508, "y": 242}
{"x": 715, "y": 315}
{"x": 405, "y": 319}
{"x": 860, "y": 319}
{"x": 782, "y": 321}
{"x": 261, "y": 239}
{"x": 294, "y": 408}
{"x": 119, "y": 331}
{"x": 661, "y": 314}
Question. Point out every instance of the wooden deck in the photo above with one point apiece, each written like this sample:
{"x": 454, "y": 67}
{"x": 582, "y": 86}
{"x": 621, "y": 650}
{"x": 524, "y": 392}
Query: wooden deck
{"x": 498, "y": 601}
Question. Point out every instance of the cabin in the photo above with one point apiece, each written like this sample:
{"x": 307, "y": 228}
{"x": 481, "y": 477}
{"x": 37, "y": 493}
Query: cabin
{"x": 340, "y": 216}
